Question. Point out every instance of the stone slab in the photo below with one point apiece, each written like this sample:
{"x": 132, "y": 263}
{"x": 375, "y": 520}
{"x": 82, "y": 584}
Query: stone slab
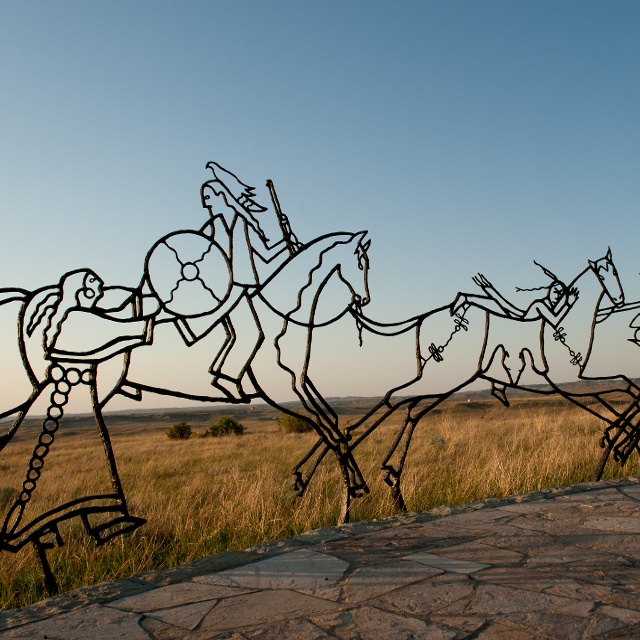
{"x": 305, "y": 571}
{"x": 447, "y": 564}
{"x": 613, "y": 524}
{"x": 374, "y": 624}
{"x": 173, "y": 596}
{"x": 188, "y": 616}
{"x": 369, "y": 582}
{"x": 481, "y": 553}
{"x": 95, "y": 622}
{"x": 424, "y": 598}
{"x": 261, "y": 607}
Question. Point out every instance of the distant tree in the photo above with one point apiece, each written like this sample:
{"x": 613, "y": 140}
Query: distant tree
{"x": 226, "y": 426}
{"x": 293, "y": 424}
{"x": 180, "y": 431}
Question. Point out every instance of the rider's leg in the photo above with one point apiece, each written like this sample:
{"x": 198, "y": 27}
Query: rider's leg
{"x": 227, "y": 347}
{"x": 230, "y": 369}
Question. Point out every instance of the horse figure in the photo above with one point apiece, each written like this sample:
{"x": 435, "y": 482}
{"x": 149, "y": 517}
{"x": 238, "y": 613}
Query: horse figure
{"x": 493, "y": 337}
{"x": 291, "y": 297}
{"x": 614, "y": 398}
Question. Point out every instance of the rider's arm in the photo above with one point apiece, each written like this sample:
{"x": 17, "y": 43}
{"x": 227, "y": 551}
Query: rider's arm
{"x": 540, "y": 310}
{"x": 554, "y": 315}
{"x": 270, "y": 251}
{"x": 510, "y": 309}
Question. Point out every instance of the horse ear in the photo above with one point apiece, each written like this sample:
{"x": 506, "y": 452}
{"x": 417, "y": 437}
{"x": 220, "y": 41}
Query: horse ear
{"x": 609, "y": 256}
{"x": 592, "y": 264}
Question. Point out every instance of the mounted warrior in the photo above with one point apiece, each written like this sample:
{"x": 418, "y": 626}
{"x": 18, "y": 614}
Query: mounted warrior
{"x": 219, "y": 270}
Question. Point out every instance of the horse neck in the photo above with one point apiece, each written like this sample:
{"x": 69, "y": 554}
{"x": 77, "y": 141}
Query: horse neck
{"x": 579, "y": 322}
{"x": 305, "y": 274}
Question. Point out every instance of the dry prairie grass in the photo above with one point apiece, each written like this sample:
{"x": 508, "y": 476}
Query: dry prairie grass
{"x": 203, "y": 496}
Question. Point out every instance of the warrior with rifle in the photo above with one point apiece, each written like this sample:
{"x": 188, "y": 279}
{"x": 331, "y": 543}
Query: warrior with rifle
{"x": 251, "y": 257}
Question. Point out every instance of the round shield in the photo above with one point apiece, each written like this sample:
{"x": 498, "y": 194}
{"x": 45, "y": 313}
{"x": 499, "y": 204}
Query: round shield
{"x": 189, "y": 273}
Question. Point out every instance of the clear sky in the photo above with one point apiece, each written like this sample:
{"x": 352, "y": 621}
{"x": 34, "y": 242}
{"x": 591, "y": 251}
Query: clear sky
{"x": 465, "y": 136}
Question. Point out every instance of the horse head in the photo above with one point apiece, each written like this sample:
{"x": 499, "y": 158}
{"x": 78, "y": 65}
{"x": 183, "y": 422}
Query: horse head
{"x": 607, "y": 274}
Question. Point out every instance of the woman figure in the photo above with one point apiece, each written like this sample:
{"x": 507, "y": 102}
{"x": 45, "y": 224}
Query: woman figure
{"x": 65, "y": 334}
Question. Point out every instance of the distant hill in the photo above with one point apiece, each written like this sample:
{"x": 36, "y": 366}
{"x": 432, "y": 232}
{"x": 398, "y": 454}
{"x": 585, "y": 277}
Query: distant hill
{"x": 202, "y": 416}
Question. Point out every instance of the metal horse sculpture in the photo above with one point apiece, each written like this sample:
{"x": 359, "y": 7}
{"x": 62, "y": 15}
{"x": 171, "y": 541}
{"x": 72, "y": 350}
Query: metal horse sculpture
{"x": 220, "y": 300}
{"x": 225, "y": 276}
{"x": 479, "y": 324}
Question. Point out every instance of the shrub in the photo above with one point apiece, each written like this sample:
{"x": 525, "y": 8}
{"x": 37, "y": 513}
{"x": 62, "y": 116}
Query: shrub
{"x": 293, "y": 424}
{"x": 226, "y": 426}
{"x": 180, "y": 431}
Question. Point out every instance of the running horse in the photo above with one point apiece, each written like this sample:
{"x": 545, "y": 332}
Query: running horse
{"x": 292, "y": 300}
{"x": 537, "y": 347}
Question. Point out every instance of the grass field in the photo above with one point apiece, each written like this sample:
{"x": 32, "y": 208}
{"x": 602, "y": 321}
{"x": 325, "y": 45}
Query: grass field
{"x": 207, "y": 495}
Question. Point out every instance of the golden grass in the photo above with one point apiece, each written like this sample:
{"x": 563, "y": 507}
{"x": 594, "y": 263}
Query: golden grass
{"x": 204, "y": 496}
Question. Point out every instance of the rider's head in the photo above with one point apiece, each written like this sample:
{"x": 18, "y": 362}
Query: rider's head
{"x": 556, "y": 291}
{"x": 227, "y": 195}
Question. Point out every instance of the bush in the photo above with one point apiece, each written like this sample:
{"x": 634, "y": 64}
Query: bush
{"x": 293, "y": 424}
{"x": 226, "y": 426}
{"x": 180, "y": 431}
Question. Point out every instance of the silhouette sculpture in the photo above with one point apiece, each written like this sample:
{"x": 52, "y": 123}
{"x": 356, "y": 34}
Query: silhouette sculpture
{"x": 225, "y": 295}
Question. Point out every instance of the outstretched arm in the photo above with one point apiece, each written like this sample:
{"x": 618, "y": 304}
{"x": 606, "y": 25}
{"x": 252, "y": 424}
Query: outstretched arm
{"x": 510, "y": 309}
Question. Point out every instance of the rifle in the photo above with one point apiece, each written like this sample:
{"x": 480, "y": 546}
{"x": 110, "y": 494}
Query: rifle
{"x": 293, "y": 244}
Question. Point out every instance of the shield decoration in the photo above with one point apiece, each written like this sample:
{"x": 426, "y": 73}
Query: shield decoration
{"x": 189, "y": 273}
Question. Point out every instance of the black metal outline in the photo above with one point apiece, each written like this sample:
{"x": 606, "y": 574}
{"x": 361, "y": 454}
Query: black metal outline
{"x": 54, "y": 360}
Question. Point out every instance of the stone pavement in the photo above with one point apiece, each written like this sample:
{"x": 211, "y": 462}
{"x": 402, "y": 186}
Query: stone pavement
{"x": 563, "y": 563}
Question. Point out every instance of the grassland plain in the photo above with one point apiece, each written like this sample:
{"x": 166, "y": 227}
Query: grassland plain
{"x": 206, "y": 495}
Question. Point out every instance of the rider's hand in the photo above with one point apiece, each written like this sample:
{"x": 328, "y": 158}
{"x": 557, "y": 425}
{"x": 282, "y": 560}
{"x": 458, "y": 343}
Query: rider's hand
{"x": 482, "y": 282}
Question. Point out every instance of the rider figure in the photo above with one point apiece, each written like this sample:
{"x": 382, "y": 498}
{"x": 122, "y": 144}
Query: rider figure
{"x": 235, "y": 227}
{"x": 553, "y": 307}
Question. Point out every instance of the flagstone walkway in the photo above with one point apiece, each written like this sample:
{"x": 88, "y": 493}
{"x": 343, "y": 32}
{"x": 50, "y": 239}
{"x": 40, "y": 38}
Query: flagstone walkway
{"x": 563, "y": 563}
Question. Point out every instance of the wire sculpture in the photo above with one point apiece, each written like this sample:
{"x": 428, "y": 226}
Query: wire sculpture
{"x": 224, "y": 294}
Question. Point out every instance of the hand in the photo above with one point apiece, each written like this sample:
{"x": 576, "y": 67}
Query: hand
{"x": 573, "y": 295}
{"x": 482, "y": 282}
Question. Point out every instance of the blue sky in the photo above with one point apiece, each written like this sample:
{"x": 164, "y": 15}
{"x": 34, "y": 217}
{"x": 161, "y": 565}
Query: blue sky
{"x": 465, "y": 136}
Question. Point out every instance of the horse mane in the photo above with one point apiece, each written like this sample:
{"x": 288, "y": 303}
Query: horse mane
{"x": 323, "y": 245}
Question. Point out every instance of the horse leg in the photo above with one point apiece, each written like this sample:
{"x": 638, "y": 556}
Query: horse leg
{"x": 300, "y": 483}
{"x": 393, "y": 473}
{"x": 49, "y": 580}
{"x": 354, "y": 484}
{"x": 622, "y": 437}
{"x": 604, "y": 456}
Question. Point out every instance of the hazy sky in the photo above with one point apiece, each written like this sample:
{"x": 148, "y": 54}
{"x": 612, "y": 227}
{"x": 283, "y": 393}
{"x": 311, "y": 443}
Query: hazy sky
{"x": 465, "y": 136}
